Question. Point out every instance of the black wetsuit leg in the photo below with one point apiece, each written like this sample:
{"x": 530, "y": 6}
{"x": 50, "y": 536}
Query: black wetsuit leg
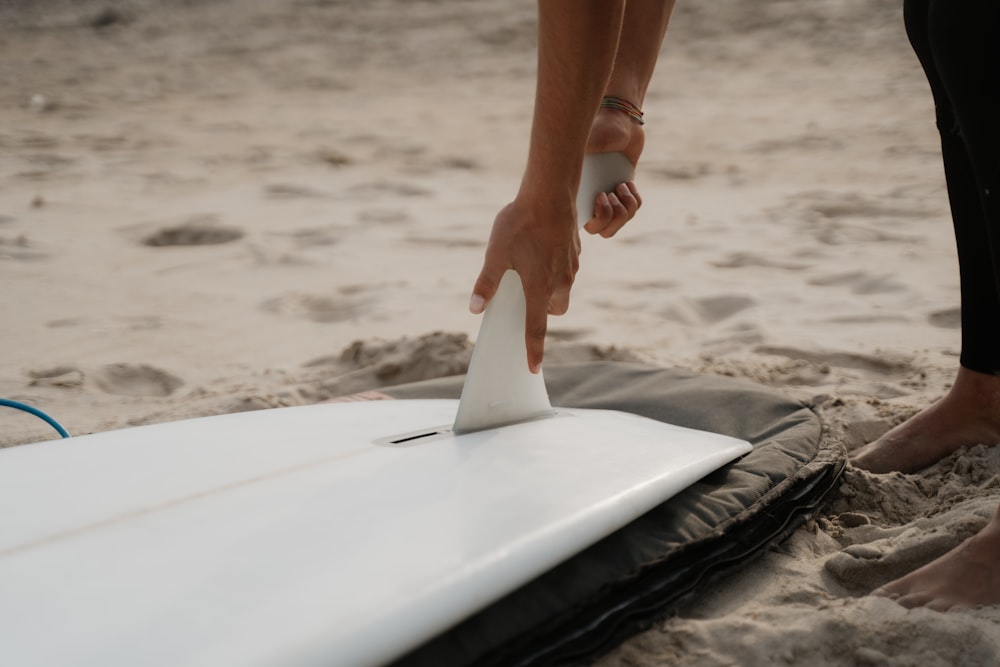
{"x": 958, "y": 45}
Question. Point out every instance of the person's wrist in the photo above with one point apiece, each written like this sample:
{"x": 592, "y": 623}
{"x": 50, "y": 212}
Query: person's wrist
{"x": 625, "y": 105}
{"x": 548, "y": 191}
{"x": 543, "y": 205}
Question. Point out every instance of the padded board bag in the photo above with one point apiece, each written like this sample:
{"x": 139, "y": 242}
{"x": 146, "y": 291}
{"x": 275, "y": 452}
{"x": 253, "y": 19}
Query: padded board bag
{"x": 620, "y": 585}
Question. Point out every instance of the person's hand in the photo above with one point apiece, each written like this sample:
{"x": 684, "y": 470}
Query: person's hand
{"x": 613, "y": 209}
{"x": 611, "y": 132}
{"x": 537, "y": 237}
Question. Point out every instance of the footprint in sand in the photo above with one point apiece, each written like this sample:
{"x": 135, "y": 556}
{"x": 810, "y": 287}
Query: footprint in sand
{"x": 291, "y": 191}
{"x": 458, "y": 162}
{"x": 200, "y": 230}
{"x": 135, "y": 380}
{"x": 643, "y": 285}
{"x": 446, "y": 241}
{"x": 810, "y": 143}
{"x": 108, "y": 17}
{"x": 20, "y": 248}
{"x": 383, "y": 216}
{"x": 65, "y": 322}
{"x": 859, "y": 282}
{"x": 566, "y": 335}
{"x": 331, "y": 157}
{"x": 831, "y": 205}
{"x": 716, "y": 308}
{"x": 844, "y": 218}
{"x": 707, "y": 310}
{"x": 950, "y": 318}
{"x": 386, "y": 188}
{"x": 323, "y": 309}
{"x": 885, "y": 363}
{"x": 313, "y": 237}
{"x": 740, "y": 260}
{"x": 66, "y": 377}
{"x": 678, "y": 170}
{"x": 837, "y": 233}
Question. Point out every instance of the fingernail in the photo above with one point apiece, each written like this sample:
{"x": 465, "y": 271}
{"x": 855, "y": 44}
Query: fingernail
{"x": 476, "y": 304}
{"x": 534, "y": 368}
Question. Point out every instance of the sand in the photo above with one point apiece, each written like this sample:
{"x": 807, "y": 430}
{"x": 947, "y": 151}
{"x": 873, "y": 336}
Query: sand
{"x": 218, "y": 206}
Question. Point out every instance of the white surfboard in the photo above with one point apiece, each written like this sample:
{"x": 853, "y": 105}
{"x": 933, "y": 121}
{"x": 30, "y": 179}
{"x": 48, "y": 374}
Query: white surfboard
{"x": 338, "y": 534}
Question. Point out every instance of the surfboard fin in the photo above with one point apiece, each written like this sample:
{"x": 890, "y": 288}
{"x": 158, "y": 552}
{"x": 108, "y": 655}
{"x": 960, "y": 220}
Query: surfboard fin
{"x": 499, "y": 389}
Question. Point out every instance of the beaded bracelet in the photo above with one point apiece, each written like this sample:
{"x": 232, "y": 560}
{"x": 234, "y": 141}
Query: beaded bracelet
{"x": 623, "y": 105}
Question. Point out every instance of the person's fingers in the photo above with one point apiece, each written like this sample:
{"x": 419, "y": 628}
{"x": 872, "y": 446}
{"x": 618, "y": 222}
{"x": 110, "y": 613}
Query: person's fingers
{"x": 619, "y": 216}
{"x": 603, "y": 213}
{"x": 559, "y": 302}
{"x": 613, "y": 210}
{"x": 535, "y": 325}
{"x": 628, "y": 194}
{"x": 542, "y": 299}
{"x": 625, "y": 202}
{"x": 485, "y": 288}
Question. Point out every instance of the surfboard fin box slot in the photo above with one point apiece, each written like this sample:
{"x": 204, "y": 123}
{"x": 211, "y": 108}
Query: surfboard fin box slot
{"x": 410, "y": 438}
{"x": 414, "y": 437}
{"x": 432, "y": 433}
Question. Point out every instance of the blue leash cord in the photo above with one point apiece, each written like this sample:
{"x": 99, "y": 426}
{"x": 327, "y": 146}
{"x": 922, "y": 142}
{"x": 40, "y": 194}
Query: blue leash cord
{"x": 17, "y": 405}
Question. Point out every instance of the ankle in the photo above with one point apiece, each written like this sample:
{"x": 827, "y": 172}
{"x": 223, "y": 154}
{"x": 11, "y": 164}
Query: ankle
{"x": 977, "y": 394}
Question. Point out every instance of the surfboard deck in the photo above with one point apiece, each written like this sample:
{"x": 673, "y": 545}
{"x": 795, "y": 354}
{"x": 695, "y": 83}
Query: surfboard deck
{"x": 332, "y": 534}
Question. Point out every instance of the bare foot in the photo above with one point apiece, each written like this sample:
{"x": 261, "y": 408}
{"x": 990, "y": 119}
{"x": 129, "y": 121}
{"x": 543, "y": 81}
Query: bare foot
{"x": 968, "y": 415}
{"x": 968, "y": 576}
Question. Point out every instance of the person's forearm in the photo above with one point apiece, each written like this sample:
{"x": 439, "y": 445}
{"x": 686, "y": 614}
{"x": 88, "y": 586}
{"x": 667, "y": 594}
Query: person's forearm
{"x": 576, "y": 49}
{"x": 643, "y": 29}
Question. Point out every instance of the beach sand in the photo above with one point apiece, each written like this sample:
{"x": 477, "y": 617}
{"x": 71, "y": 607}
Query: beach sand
{"x": 218, "y": 206}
